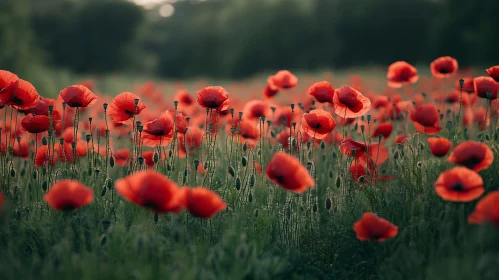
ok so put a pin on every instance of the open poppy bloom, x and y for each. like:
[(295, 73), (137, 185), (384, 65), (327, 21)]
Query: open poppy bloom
[(184, 98), (204, 203), (486, 210), (255, 109), (486, 87), (20, 95), (148, 189), (78, 96), (459, 185), (401, 73), (39, 123), (285, 116), (213, 98), (7, 78), (318, 123), (123, 107), (249, 130), (384, 129), (439, 147), (357, 171), (158, 132), (67, 195), (350, 103), (401, 139), (443, 67), (282, 80), (121, 156), (42, 156), (370, 156), (473, 155), (425, 118), (322, 91), (288, 173), (494, 72), (372, 227)]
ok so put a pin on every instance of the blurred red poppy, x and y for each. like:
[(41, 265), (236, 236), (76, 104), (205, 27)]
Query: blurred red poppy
[(486, 87), (7, 78), (213, 98), (42, 157), (282, 80), (121, 156), (357, 171), (255, 109), (184, 98), (401, 73), (269, 92), (148, 189), (158, 132), (350, 103), (78, 96), (486, 210), (459, 185), (20, 95), (439, 147), (123, 107), (473, 155), (322, 91), (372, 227), (149, 159), (318, 123), (204, 203), (443, 67), (494, 72), (288, 173), (67, 195), (425, 118), (468, 85), (384, 129)]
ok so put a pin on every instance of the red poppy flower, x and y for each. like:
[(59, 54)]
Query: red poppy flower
[(7, 78), (180, 200), (401, 139), (401, 73), (121, 156), (284, 116), (269, 92), (485, 87), (282, 80), (181, 122), (322, 91), (255, 109), (372, 227), (486, 210), (473, 155), (158, 132), (21, 149), (370, 155), (213, 98), (468, 85), (41, 107), (349, 103), (459, 185), (425, 118), (318, 123), (42, 156), (494, 72), (123, 107), (149, 158), (20, 95), (148, 189), (384, 129), (35, 124), (249, 130), (204, 203), (443, 67), (284, 139), (357, 171), (288, 173), (66, 153), (68, 195), (439, 147), (184, 98), (78, 96)]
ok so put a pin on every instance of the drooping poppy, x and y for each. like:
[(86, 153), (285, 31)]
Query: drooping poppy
[(123, 107), (282, 80), (473, 155), (204, 203), (486, 87), (67, 195), (288, 173), (255, 109), (213, 97), (401, 73), (318, 123), (350, 103), (439, 147), (443, 67), (372, 227), (158, 132), (486, 210), (20, 95), (78, 96), (459, 185), (384, 129), (42, 156), (121, 156), (425, 118), (148, 189), (322, 91), (494, 72)]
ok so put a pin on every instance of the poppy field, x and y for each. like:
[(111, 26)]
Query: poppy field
[(383, 174)]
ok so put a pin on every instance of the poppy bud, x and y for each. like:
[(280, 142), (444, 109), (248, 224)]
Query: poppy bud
[(12, 172), (487, 137), (238, 183), (206, 165), (97, 172), (73, 145), (103, 191), (170, 153), (256, 212), (314, 208), (323, 145), (309, 165), (61, 141), (331, 174), (258, 152), (140, 128), (44, 186), (328, 204), (272, 133), (250, 197), (362, 179), (362, 128), (88, 137), (44, 170), (338, 182), (335, 154), (109, 183), (51, 108), (111, 161), (90, 171), (244, 161), (419, 164), (44, 141), (245, 146), (269, 123), (353, 152), (396, 155), (156, 157), (186, 172), (141, 160), (169, 167), (34, 174), (252, 180), (310, 154)]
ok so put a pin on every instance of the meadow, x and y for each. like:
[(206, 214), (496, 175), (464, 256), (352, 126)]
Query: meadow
[(366, 174)]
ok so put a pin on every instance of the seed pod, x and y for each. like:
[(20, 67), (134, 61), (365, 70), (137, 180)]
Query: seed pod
[(329, 203), (244, 161), (252, 180), (362, 179), (232, 172), (238, 183), (44, 185), (103, 191), (338, 182), (88, 137), (250, 197), (331, 174), (111, 161), (12, 172), (323, 145), (196, 163), (44, 170)]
